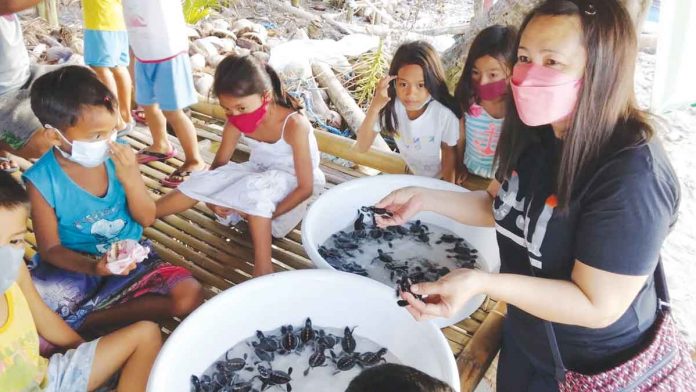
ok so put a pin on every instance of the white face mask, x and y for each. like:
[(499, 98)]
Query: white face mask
[(87, 154), (11, 258), (424, 104)]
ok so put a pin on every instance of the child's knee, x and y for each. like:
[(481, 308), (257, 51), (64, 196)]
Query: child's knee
[(147, 330), (186, 296)]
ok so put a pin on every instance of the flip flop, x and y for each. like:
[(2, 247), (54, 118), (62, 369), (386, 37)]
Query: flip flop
[(144, 156), (139, 115), (11, 169), (170, 182)]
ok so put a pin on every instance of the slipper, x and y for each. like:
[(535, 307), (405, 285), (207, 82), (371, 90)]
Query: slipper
[(11, 169), (144, 156), (171, 182), (139, 116)]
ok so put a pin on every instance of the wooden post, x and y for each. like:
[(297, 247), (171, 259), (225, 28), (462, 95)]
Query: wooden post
[(48, 10)]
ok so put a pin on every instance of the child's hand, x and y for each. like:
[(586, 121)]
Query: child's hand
[(220, 211), (381, 98), (462, 175), (102, 269), (126, 164)]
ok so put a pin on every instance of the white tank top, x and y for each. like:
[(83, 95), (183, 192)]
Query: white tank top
[(14, 60), (278, 155)]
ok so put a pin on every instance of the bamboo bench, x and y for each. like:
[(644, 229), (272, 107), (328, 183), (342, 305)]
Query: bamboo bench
[(220, 257)]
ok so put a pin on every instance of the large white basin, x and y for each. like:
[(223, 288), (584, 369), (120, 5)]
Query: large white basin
[(336, 209), (330, 298)]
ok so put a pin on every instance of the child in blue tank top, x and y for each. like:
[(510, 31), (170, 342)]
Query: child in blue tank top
[(87, 194)]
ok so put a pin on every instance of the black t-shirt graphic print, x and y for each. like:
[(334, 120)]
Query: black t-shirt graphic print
[(616, 222)]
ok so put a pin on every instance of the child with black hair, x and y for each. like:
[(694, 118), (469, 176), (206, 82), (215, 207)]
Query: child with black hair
[(391, 377), (481, 92), (86, 195), (272, 189), (413, 104), (24, 316)]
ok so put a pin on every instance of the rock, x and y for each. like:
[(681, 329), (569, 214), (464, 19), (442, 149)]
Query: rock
[(224, 34), (192, 32), (242, 51), (220, 24), (58, 54), (206, 28), (214, 60), (299, 34), (205, 47), (242, 24), (254, 37), (203, 83), (197, 62), (247, 43), (263, 56), (78, 46)]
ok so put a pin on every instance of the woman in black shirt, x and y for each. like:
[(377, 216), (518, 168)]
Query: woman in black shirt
[(583, 199)]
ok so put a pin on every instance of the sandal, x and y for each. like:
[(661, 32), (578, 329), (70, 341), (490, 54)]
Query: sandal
[(145, 156), (139, 115), (178, 177), (10, 162)]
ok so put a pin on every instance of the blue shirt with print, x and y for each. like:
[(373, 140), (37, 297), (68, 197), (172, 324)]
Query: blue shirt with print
[(86, 223)]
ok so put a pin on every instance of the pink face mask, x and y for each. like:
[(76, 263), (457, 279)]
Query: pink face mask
[(248, 122), (543, 95), (491, 91)]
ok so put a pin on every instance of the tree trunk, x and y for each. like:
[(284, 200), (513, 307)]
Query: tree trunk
[(48, 10)]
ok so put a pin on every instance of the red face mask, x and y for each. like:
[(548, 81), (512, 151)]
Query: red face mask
[(491, 91), (248, 122)]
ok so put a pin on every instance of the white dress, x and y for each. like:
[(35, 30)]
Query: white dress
[(257, 186)]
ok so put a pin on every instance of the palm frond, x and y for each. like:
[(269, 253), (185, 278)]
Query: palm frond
[(197, 10), (369, 69)]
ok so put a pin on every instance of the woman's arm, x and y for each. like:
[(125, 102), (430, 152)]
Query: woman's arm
[(297, 136), (140, 205), (50, 248), (449, 158), (230, 138), (48, 324), (471, 208), (593, 298)]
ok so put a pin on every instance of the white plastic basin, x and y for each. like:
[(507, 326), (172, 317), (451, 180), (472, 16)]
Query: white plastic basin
[(330, 298), (336, 209)]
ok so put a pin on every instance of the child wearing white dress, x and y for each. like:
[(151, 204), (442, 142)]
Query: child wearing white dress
[(272, 189)]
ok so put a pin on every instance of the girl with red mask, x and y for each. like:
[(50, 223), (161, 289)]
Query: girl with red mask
[(271, 190), (482, 91)]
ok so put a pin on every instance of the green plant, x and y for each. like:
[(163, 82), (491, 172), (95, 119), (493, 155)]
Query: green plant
[(369, 69), (197, 10)]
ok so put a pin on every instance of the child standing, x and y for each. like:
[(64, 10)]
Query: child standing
[(24, 316), (87, 194), (423, 118), (481, 92), (106, 51), (163, 81), (271, 190)]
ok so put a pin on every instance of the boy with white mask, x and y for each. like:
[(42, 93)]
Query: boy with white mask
[(23, 316), (87, 196)]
